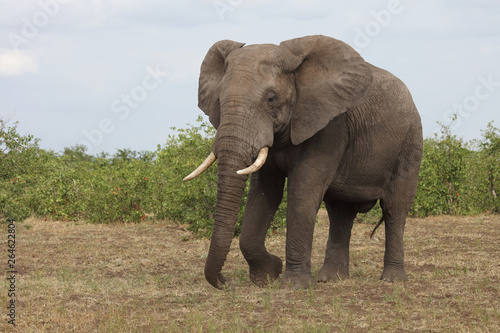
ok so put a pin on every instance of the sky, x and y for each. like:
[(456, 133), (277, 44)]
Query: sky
[(120, 74)]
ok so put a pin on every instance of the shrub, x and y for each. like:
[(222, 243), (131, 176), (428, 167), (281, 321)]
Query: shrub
[(484, 172), (442, 175), (18, 157), (456, 177), (192, 202)]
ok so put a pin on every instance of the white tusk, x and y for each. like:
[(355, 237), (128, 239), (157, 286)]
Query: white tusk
[(259, 162), (203, 166)]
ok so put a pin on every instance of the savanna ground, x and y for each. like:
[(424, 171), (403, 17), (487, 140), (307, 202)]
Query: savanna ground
[(76, 277)]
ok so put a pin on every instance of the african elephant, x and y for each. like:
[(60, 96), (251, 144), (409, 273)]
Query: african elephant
[(339, 129)]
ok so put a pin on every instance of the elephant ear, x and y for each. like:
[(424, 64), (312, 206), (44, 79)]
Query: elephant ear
[(332, 78), (211, 73)]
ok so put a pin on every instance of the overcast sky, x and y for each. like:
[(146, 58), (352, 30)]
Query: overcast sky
[(118, 74)]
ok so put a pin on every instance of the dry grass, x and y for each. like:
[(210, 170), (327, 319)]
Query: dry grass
[(149, 278)]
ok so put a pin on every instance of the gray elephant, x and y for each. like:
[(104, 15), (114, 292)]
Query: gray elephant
[(339, 129)]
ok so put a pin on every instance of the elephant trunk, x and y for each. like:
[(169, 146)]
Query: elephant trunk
[(229, 195), (238, 141), (233, 155)]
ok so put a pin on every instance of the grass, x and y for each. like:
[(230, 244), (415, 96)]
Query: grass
[(75, 277)]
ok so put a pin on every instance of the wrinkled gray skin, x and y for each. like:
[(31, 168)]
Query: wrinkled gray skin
[(340, 129)]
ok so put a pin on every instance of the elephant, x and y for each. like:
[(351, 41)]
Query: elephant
[(341, 131)]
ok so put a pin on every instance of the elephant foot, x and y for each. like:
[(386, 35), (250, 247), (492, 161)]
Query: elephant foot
[(333, 272), (394, 273), (297, 281), (261, 275), (221, 282)]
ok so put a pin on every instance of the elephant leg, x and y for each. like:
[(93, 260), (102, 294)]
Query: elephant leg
[(394, 249), (304, 200), (336, 264), (395, 207), (264, 197)]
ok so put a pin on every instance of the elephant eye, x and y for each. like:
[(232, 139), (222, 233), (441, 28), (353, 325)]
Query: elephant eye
[(271, 98)]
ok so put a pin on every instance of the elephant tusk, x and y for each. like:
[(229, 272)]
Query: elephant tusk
[(259, 162), (203, 166)]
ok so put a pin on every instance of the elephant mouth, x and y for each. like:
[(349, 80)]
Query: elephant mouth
[(259, 162)]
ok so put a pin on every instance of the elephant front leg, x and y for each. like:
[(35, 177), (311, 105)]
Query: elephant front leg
[(303, 204), (336, 264), (263, 200)]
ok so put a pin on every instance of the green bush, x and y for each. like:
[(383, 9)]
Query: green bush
[(18, 157), (442, 175), (456, 177), (484, 172), (191, 202)]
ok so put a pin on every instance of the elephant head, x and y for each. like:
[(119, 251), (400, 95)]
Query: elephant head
[(268, 96)]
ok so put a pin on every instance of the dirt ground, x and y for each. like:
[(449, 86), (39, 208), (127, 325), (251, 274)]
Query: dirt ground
[(148, 277)]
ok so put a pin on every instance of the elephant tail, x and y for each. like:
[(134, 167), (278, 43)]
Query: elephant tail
[(378, 225)]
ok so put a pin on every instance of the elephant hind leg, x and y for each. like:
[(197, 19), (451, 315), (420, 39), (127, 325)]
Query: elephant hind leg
[(336, 264), (394, 249), (395, 208)]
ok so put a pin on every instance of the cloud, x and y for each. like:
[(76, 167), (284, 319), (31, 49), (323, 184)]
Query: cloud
[(490, 48), (93, 51), (98, 15), (16, 63)]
